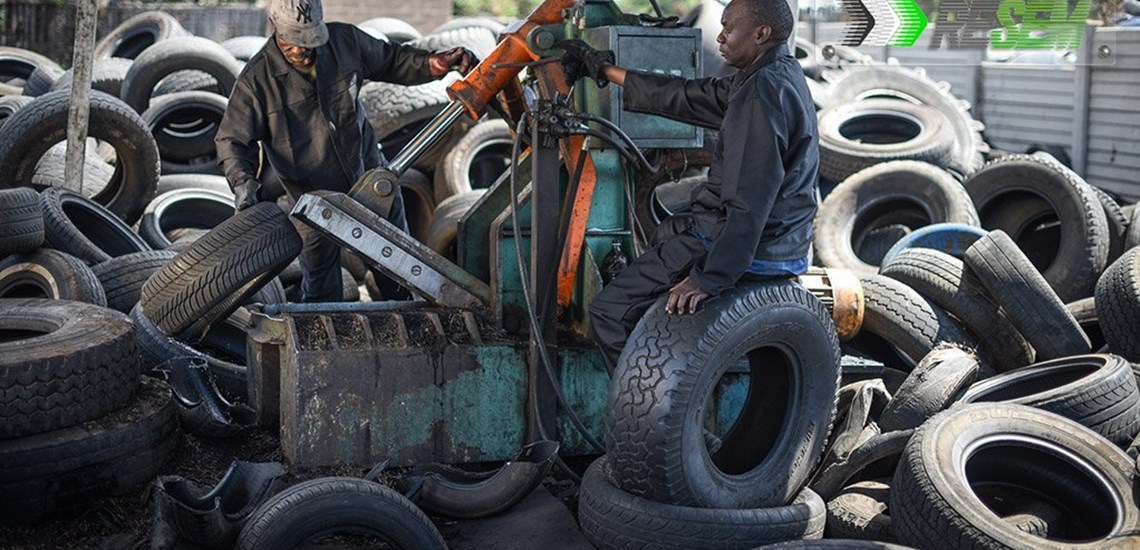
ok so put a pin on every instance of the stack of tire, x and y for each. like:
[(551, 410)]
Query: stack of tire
[(77, 421)]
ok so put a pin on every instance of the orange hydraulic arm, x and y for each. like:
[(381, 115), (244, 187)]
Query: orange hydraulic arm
[(499, 72)]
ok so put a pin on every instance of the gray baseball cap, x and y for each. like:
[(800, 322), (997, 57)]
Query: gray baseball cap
[(299, 22)]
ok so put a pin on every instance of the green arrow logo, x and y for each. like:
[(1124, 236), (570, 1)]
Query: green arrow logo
[(913, 23)]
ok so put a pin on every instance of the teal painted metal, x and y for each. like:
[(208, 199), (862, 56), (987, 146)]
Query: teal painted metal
[(586, 384)]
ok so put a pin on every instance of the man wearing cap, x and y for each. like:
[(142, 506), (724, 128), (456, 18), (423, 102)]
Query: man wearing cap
[(297, 97)]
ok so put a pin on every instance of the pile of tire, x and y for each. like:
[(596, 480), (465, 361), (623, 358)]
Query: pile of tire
[(77, 420), (990, 397)]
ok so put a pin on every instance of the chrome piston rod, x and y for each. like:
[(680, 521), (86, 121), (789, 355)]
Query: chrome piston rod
[(427, 137)]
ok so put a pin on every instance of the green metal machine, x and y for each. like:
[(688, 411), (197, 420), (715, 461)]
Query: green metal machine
[(459, 377)]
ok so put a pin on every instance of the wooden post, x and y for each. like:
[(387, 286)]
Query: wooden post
[(80, 105)]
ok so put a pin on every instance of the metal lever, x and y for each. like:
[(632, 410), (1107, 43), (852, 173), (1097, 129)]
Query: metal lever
[(385, 246)]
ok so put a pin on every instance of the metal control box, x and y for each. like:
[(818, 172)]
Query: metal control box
[(675, 52)]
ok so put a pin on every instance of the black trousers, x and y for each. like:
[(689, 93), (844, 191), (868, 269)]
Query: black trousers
[(320, 264), (621, 304)]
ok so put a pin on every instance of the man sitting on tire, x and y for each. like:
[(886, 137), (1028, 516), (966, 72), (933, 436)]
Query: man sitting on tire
[(753, 216), (298, 98)]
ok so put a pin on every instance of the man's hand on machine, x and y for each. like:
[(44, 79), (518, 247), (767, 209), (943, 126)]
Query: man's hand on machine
[(581, 60), (456, 59), (246, 195), (684, 297)]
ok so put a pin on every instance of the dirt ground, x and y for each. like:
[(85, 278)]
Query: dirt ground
[(124, 523)]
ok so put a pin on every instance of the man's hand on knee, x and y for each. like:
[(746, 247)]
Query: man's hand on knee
[(684, 297)]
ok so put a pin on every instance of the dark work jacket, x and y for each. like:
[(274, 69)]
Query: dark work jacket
[(315, 134), (761, 194)]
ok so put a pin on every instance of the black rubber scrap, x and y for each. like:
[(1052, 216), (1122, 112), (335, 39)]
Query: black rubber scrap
[(933, 385), (21, 221)]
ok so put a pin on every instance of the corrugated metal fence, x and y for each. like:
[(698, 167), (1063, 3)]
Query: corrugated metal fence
[(49, 28), (1090, 108)]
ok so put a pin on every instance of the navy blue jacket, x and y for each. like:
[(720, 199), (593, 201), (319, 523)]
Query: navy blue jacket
[(761, 194)]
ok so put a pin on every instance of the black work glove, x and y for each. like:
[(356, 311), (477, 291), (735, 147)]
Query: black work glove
[(458, 59), (246, 195), (581, 60)]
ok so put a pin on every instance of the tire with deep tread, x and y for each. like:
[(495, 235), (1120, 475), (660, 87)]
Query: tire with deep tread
[(613, 519), (51, 171), (853, 136), (211, 278), (665, 378), (183, 209), (338, 505), (1098, 391), (1026, 297), (1006, 192), (123, 277), (907, 192), (77, 362), (907, 320), (1118, 305), (944, 280), (47, 273), (935, 384), (21, 221), (390, 107), (933, 506), (67, 469), (173, 55), (30, 132), (85, 229)]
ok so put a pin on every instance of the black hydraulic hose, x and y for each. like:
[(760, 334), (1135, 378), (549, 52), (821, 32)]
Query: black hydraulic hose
[(644, 162), (532, 315), (629, 157)]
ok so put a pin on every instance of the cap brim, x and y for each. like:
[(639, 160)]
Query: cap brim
[(306, 37)]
